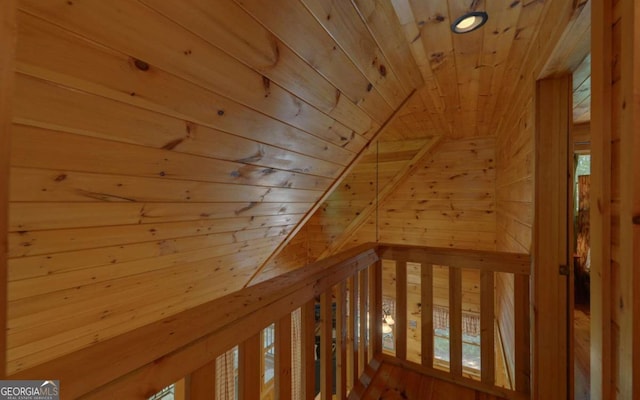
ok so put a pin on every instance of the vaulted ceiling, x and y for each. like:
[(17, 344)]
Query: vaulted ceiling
[(163, 150)]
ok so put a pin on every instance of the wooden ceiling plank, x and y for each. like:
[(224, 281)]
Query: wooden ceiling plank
[(433, 19), (227, 26), (341, 20), (582, 72), (46, 105), (85, 187), (51, 242), (467, 52), (383, 24), (384, 192), (582, 92), (430, 95), (499, 33), (26, 269), (32, 216), (525, 65), (160, 43), (434, 102), (574, 44), (45, 50), (296, 27), (582, 111), (105, 157), (62, 277), (525, 31)]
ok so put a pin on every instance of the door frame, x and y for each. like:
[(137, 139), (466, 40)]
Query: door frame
[(550, 251)]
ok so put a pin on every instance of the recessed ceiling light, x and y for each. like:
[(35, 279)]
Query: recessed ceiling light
[(469, 22)]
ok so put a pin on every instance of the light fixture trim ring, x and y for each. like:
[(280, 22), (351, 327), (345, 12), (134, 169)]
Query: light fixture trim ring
[(480, 18)]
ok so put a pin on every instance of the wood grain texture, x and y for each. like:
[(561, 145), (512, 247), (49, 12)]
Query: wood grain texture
[(201, 384), (549, 288), (416, 382), (179, 168), (199, 334), (383, 191), (249, 374), (8, 36), (444, 203)]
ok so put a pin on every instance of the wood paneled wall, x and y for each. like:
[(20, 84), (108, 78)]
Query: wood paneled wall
[(294, 255), (615, 232), (515, 157), (448, 202), (162, 150)]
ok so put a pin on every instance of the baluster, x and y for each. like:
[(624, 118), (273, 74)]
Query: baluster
[(353, 298), (455, 320), (326, 340), (201, 383), (341, 341), (362, 343), (249, 368), (283, 358), (308, 363), (376, 315), (401, 310), (521, 317), (487, 328), (426, 283)]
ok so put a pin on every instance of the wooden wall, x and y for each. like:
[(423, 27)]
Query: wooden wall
[(294, 255), (162, 150), (615, 232), (515, 157), (514, 212), (449, 201)]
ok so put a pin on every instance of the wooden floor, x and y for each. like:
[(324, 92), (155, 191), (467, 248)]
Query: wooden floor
[(581, 334), (394, 382)]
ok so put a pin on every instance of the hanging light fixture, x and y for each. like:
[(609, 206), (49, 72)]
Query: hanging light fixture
[(469, 22)]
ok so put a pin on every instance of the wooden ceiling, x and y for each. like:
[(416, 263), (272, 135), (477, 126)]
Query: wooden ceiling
[(469, 78), (163, 150)]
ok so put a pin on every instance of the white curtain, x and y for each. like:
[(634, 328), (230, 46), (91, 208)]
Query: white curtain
[(296, 354), (226, 370)]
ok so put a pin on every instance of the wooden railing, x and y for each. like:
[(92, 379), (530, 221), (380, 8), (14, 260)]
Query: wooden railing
[(454, 262), (346, 290)]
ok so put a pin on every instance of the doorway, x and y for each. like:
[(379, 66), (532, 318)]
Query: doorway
[(581, 276), (580, 303)]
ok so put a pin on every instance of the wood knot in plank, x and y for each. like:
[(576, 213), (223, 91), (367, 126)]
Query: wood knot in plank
[(266, 85), (141, 65)]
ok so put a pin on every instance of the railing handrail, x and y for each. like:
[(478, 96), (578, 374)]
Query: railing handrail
[(142, 358), (489, 263), (516, 263), (141, 362)]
